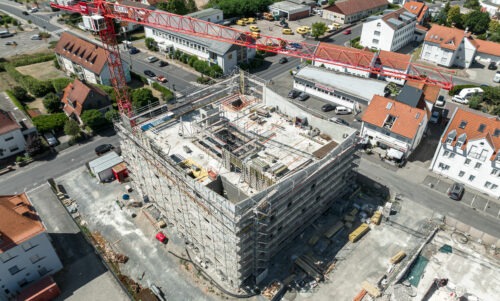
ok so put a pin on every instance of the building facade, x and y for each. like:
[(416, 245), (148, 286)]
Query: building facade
[(86, 60), (419, 9), (394, 124), (469, 151), (236, 206), (78, 97), (350, 11), (11, 137), (390, 32), (26, 253), (491, 6)]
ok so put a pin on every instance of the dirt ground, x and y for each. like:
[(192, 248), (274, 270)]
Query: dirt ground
[(6, 82), (43, 71), (37, 104)]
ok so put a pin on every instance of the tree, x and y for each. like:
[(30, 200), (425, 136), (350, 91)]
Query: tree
[(151, 44), (215, 71), (239, 8), (174, 6), (454, 16), (191, 6), (48, 123), (472, 4), (494, 31), (33, 145), (20, 93), (60, 83), (477, 21), (93, 119), (318, 29), (331, 2), (111, 115), (52, 103), (447, 7), (475, 102), (142, 97), (71, 128)]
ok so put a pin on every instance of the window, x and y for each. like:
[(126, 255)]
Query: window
[(28, 246), (461, 173), (467, 161), (23, 282), (494, 172), (13, 149), (35, 258), (494, 186), (4, 257), (462, 125), (43, 271), (375, 41), (444, 166), (487, 184), (452, 155), (471, 178), (478, 165), (14, 270), (481, 128), (446, 153), (9, 138)]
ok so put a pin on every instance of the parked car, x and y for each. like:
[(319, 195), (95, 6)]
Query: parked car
[(11, 43), (51, 140), (303, 96), (492, 66), (161, 79), (286, 31), (338, 121), (296, 45), (133, 50), (328, 107), (149, 73), (36, 37), (436, 116), (163, 64), (456, 191), (25, 13), (103, 148), (254, 28), (440, 102), (347, 31), (496, 78), (459, 99), (151, 59), (341, 110), (293, 94), (283, 60), (34, 10)]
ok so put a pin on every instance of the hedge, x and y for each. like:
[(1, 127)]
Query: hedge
[(28, 59), (16, 101), (456, 89), (167, 94), (47, 123)]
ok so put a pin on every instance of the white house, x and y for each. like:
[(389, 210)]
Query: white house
[(86, 60), (26, 254), (213, 15), (390, 32), (469, 151), (394, 124), (491, 6), (337, 88), (419, 9), (11, 137)]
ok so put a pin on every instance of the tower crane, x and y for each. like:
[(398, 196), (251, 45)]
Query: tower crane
[(101, 15)]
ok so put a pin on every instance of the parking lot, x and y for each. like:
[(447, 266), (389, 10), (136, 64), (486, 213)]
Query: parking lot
[(24, 42)]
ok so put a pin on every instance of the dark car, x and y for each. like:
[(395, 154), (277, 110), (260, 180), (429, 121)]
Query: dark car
[(163, 64), (149, 73), (492, 66), (293, 94), (456, 191), (296, 45), (133, 50), (103, 148), (25, 13), (303, 96), (338, 120), (283, 60), (328, 107)]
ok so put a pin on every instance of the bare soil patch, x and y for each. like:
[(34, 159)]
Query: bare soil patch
[(6, 82), (42, 71), (37, 104)]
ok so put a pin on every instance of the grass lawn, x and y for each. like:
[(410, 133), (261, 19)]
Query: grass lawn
[(44, 70)]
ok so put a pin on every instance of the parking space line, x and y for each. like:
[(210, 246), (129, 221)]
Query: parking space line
[(486, 206), (473, 199)]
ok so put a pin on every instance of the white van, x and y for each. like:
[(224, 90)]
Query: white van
[(340, 110), (496, 78), (467, 93)]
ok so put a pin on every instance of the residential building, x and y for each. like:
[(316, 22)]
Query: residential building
[(290, 10), (213, 15), (393, 63), (419, 9), (389, 32), (244, 176), (350, 11), (491, 6), (469, 151), (26, 254), (339, 89), (78, 97), (86, 60), (487, 51), (430, 92), (15, 129), (394, 124)]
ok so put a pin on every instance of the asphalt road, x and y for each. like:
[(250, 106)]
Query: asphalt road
[(41, 19), (341, 38), (37, 173), (272, 68), (428, 197)]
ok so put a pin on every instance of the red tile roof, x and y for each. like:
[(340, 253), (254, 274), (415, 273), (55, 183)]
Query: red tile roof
[(407, 121), (77, 93), (446, 37), (487, 47), (417, 8), (7, 122), (431, 92), (19, 221), (345, 55), (471, 129), (84, 53), (350, 7), (394, 60)]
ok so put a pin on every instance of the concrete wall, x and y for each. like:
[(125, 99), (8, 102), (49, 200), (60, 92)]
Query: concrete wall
[(26, 263)]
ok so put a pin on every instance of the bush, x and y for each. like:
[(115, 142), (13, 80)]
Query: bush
[(151, 44), (166, 93), (60, 83), (38, 88), (20, 93), (16, 101), (94, 119), (192, 60), (48, 123), (52, 103), (456, 89), (138, 77), (143, 97), (215, 71), (112, 115), (204, 80), (71, 128), (56, 64)]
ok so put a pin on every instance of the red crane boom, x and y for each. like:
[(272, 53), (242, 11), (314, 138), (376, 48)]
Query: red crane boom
[(196, 27)]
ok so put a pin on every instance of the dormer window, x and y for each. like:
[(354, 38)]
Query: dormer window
[(389, 121), (451, 136), (461, 140)]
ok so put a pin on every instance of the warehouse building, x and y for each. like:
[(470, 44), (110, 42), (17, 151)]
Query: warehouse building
[(290, 10), (241, 176)]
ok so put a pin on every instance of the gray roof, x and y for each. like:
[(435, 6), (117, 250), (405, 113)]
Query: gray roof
[(105, 162), (410, 96), (356, 86), (204, 13)]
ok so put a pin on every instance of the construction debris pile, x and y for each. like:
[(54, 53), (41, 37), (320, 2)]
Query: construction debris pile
[(108, 253)]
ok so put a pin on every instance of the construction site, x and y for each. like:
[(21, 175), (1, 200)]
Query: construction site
[(239, 174)]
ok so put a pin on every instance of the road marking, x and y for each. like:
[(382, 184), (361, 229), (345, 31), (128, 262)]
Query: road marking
[(486, 206)]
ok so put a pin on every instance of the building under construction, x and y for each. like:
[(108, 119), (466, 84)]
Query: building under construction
[(239, 175)]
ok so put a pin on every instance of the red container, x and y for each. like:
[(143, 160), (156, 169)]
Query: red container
[(161, 237)]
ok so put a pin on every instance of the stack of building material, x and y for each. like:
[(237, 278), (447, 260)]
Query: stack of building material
[(359, 232), (376, 217), (371, 289), (398, 257)]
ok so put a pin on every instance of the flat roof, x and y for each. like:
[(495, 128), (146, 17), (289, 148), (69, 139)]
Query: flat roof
[(410, 96), (345, 83), (104, 162), (289, 7), (204, 13), (254, 136)]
